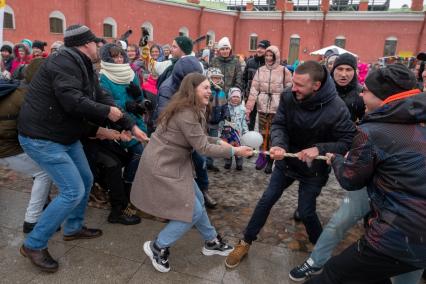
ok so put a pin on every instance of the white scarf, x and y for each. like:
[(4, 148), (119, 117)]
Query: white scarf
[(117, 73)]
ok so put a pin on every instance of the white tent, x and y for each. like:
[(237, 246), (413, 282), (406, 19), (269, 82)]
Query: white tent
[(322, 51)]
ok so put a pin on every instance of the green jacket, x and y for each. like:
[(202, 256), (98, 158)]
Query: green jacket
[(9, 110), (231, 70)]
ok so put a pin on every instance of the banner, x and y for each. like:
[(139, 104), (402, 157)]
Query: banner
[(2, 5)]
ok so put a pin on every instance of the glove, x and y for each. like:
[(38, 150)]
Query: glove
[(135, 107), (134, 91)]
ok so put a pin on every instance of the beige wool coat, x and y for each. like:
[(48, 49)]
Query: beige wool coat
[(163, 184)]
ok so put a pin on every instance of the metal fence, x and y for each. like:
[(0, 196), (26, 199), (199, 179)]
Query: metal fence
[(306, 5)]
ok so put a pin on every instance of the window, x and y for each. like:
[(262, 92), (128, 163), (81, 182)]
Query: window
[(340, 41), (210, 38), (110, 27), (9, 18), (150, 28), (57, 22), (253, 42), (183, 31), (390, 46), (293, 53)]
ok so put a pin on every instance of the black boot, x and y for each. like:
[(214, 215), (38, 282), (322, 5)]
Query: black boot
[(268, 168), (296, 215), (208, 200)]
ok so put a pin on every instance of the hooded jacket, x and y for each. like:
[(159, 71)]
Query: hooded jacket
[(18, 60), (169, 87), (388, 155), (268, 84), (63, 97), (231, 70), (321, 121)]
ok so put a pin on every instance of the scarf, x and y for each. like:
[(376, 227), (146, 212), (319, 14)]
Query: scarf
[(117, 73)]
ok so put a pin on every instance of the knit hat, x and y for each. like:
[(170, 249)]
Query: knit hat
[(264, 44), (78, 35), (224, 42), (123, 44), (234, 92), (345, 59), (6, 48), (214, 72), (166, 46), (39, 44), (390, 80), (27, 42), (185, 44)]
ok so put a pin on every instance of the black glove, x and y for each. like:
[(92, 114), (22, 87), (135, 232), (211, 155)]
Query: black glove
[(134, 91), (135, 107)]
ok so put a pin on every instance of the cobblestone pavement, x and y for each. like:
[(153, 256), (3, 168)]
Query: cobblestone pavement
[(237, 193)]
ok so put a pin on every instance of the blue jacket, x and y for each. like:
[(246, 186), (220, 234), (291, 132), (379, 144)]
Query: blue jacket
[(119, 93), (388, 155), (169, 87)]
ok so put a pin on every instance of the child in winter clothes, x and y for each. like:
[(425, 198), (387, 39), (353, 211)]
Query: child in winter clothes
[(218, 107), (238, 122)]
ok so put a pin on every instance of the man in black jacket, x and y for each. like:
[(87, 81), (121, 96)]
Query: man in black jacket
[(311, 120), (252, 65), (388, 156), (63, 97)]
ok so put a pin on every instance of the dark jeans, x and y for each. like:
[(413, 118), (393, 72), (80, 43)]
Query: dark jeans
[(252, 121), (213, 132), (306, 203), (130, 169), (361, 264), (200, 165), (107, 169)]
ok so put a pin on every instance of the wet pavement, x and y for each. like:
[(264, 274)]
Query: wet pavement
[(117, 257)]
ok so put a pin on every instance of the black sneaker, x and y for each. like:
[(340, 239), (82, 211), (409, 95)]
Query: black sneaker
[(217, 246), (239, 168), (126, 217), (227, 166), (159, 257), (304, 271)]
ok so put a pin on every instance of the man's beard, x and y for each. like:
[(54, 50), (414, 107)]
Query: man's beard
[(305, 97)]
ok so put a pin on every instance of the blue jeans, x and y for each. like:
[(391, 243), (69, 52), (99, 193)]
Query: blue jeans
[(41, 183), (354, 207), (306, 205), (174, 230), (68, 168), (202, 178), (131, 168), (212, 133)]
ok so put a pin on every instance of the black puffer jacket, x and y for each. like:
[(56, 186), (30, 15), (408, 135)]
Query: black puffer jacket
[(388, 155), (322, 121), (63, 97), (252, 65)]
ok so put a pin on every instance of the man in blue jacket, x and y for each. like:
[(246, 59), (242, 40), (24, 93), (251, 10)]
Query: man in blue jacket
[(388, 155)]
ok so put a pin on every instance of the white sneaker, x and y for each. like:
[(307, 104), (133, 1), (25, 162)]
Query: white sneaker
[(159, 257)]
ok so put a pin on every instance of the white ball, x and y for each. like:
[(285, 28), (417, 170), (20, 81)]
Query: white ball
[(252, 139)]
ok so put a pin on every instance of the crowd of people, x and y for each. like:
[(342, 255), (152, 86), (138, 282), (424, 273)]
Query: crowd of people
[(145, 122)]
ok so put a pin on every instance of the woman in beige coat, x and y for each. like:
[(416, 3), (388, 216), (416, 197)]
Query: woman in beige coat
[(164, 184), (266, 88)]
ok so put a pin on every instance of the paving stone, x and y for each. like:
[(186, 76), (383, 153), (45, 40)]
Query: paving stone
[(81, 265)]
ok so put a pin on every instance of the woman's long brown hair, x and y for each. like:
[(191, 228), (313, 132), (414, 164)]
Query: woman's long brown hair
[(184, 98)]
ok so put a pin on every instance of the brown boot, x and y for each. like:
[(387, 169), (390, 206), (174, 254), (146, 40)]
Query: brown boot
[(84, 233), (40, 258), (239, 252)]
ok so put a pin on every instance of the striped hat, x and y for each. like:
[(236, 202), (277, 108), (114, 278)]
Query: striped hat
[(78, 35)]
